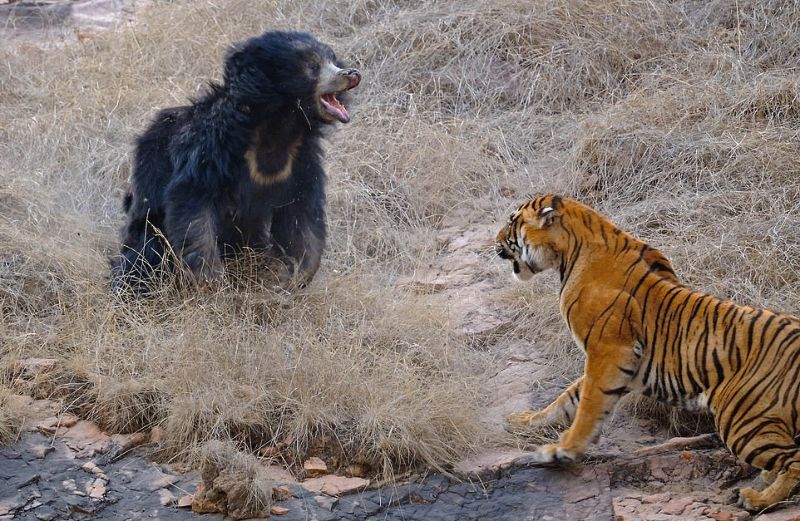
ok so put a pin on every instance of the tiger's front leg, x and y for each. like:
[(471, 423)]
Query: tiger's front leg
[(605, 381), (560, 412)]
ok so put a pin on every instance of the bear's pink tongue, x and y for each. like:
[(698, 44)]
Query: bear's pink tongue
[(334, 107)]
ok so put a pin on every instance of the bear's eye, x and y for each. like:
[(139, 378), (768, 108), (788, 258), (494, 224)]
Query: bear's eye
[(314, 68)]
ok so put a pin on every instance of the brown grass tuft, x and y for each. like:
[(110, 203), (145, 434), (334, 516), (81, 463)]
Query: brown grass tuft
[(128, 406), (233, 483), (12, 417)]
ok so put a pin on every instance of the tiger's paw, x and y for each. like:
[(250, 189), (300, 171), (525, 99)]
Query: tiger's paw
[(554, 453), (752, 500), (522, 421)]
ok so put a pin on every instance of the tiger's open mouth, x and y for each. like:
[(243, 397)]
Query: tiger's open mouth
[(344, 80)]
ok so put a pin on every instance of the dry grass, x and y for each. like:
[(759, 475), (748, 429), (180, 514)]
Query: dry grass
[(677, 119), (234, 481), (11, 417)]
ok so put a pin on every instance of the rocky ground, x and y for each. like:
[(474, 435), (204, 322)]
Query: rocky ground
[(63, 468), (46, 478)]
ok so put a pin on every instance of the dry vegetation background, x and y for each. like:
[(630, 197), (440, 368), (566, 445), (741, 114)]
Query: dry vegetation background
[(678, 119)]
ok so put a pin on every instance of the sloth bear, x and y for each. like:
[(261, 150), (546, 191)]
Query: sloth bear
[(239, 168)]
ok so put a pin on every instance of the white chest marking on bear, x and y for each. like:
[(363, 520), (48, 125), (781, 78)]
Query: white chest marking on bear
[(267, 179)]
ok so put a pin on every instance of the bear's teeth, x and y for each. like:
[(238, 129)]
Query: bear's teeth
[(333, 107)]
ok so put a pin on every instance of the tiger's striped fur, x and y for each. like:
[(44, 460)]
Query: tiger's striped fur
[(643, 331)]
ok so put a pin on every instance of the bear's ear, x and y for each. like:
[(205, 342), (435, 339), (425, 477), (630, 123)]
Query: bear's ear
[(234, 59)]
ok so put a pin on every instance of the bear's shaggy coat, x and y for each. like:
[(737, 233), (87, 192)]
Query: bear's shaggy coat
[(241, 167)]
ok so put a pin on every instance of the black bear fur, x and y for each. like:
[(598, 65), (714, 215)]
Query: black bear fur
[(240, 167)]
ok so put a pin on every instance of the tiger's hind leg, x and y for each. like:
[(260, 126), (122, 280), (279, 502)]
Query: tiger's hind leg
[(783, 486), (768, 476), (561, 411), (779, 456)]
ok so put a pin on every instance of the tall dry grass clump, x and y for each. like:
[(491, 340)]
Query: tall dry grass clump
[(679, 120), (11, 417)]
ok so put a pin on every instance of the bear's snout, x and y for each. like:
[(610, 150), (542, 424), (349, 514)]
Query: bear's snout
[(353, 77)]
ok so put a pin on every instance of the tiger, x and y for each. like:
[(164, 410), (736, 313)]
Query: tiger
[(643, 331)]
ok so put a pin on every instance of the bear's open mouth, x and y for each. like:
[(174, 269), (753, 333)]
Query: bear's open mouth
[(334, 107)]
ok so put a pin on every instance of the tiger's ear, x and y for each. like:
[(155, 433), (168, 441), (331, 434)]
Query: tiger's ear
[(546, 216)]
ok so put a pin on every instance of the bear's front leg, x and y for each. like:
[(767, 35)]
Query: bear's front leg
[(192, 229), (298, 230)]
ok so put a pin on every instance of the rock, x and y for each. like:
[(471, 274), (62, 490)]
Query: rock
[(278, 511), (489, 463), (97, 489), (161, 480), (165, 497), (92, 468), (485, 321), (203, 505), (69, 420), (87, 438), (46, 513), (80, 505), (315, 467), (277, 474), (628, 504), (325, 502), (358, 470), (334, 485), (54, 425), (721, 516), (156, 435), (184, 501), (125, 442), (657, 498), (33, 504), (27, 479), (9, 505), (581, 492), (658, 468), (786, 514), (281, 493), (676, 506), (40, 451)]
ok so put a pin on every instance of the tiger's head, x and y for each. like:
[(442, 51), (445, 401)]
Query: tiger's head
[(531, 239)]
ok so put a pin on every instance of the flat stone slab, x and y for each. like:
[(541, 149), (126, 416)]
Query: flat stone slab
[(68, 485), (521, 494), (56, 488)]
